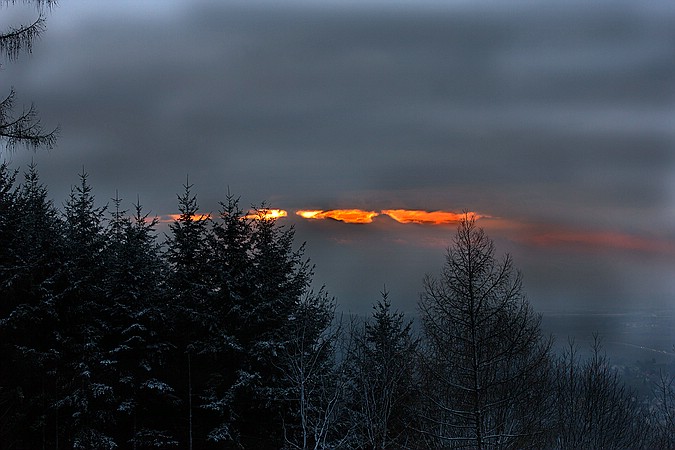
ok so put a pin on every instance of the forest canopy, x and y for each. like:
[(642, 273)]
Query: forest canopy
[(112, 336)]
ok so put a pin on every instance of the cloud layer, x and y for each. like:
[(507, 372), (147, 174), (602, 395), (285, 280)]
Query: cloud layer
[(558, 114)]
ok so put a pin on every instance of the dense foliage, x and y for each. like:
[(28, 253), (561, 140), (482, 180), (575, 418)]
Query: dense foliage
[(214, 339)]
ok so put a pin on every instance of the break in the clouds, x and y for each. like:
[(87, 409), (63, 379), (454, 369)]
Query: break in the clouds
[(399, 215), (557, 114)]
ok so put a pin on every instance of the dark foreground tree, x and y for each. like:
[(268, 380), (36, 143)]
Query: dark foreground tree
[(135, 345), (23, 128), (85, 391), (190, 286), (486, 364), (29, 258)]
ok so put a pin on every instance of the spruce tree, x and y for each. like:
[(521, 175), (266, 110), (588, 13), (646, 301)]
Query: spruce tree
[(280, 277), (135, 345), (382, 367), (85, 393), (190, 285), (28, 322), (231, 251)]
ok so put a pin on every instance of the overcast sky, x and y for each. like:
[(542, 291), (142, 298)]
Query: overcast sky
[(555, 120)]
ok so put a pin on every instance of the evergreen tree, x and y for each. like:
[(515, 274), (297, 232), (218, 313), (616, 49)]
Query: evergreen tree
[(28, 320), (85, 393), (384, 393), (232, 260), (9, 394), (279, 279), (135, 347), (10, 218), (190, 286)]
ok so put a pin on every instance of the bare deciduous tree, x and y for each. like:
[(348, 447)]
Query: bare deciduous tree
[(663, 414), (594, 408), (486, 363), (23, 128), (312, 377)]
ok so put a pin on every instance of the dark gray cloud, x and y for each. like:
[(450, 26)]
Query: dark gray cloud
[(559, 113)]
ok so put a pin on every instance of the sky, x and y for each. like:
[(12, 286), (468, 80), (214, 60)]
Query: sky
[(554, 121)]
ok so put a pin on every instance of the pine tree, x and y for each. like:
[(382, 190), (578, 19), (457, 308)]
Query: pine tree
[(10, 218), (232, 262)]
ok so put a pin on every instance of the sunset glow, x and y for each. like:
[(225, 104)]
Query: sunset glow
[(399, 215), (536, 235), (266, 214), (342, 215), (426, 217), (598, 239)]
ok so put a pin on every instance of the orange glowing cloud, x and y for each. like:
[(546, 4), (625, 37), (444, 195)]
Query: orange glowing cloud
[(426, 217), (399, 215), (342, 215), (266, 214)]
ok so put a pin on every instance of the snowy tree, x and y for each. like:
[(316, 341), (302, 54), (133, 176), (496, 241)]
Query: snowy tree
[(230, 243), (280, 277), (486, 364), (135, 345), (383, 372), (30, 258), (190, 286), (312, 385), (85, 393)]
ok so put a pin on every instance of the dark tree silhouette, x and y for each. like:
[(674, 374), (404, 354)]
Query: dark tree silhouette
[(486, 362), (279, 277), (190, 282), (135, 345), (23, 128), (29, 258), (85, 390), (383, 393), (663, 417), (594, 408)]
